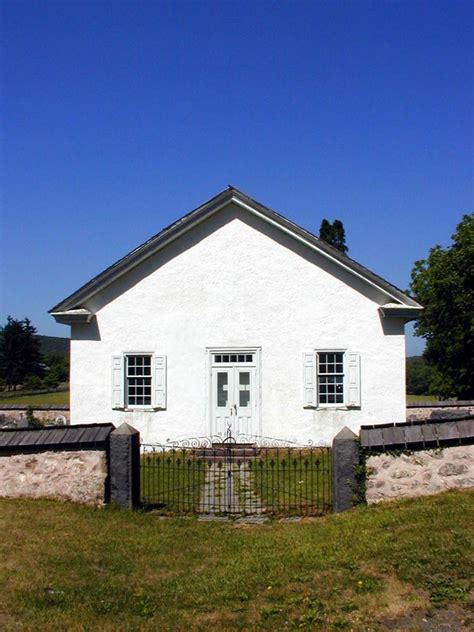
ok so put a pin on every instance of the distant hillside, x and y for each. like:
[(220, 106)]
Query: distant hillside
[(53, 344)]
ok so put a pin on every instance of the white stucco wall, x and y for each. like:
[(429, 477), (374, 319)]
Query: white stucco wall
[(235, 281)]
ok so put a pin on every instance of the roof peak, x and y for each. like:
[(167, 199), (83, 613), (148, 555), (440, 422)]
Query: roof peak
[(187, 222)]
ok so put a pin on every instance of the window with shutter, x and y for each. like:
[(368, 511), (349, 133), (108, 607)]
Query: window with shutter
[(331, 378), (138, 381)]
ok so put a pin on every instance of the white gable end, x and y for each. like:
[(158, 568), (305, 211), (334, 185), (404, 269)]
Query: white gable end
[(235, 282)]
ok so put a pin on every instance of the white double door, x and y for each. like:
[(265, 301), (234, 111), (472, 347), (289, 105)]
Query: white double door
[(234, 400)]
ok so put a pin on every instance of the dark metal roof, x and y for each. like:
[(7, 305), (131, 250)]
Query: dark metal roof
[(186, 222), (418, 434), (78, 437)]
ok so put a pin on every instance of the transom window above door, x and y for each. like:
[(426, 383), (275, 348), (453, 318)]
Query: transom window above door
[(233, 358)]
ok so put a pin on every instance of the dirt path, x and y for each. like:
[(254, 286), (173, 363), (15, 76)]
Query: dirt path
[(452, 619)]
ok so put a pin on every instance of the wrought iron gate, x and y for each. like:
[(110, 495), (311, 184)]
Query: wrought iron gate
[(236, 475)]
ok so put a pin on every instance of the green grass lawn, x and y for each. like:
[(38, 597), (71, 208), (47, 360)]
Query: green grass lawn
[(172, 480), (66, 567), (421, 398), (293, 481), (44, 399)]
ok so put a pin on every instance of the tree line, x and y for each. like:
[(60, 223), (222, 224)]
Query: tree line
[(22, 361)]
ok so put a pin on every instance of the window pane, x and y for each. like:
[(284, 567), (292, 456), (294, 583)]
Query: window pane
[(218, 358), (331, 379), (244, 389), (244, 378), (241, 358), (225, 358), (233, 358), (222, 395), (249, 357), (244, 399), (138, 386)]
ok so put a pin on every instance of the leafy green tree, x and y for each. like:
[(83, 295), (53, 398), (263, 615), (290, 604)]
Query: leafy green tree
[(334, 234), (419, 376), (58, 365), (19, 352), (444, 285)]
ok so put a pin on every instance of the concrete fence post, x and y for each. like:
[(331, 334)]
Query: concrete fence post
[(345, 458), (124, 467)]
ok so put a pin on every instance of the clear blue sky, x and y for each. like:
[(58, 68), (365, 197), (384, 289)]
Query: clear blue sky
[(119, 117)]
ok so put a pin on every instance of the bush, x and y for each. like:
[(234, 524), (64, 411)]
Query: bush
[(33, 383), (419, 376), (52, 379), (33, 422)]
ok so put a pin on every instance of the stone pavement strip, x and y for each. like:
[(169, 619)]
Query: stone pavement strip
[(220, 495)]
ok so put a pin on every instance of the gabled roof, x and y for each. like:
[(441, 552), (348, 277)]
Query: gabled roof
[(72, 308)]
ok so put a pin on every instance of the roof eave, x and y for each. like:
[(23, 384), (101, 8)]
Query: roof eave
[(72, 316), (405, 312)]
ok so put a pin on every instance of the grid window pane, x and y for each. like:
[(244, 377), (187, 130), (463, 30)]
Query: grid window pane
[(331, 377), (233, 358), (138, 380)]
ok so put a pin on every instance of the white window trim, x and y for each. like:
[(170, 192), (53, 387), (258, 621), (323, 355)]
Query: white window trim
[(139, 407)]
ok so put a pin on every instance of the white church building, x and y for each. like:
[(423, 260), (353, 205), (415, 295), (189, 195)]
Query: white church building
[(235, 317)]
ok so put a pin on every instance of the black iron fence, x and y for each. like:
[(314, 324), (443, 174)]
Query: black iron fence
[(237, 476)]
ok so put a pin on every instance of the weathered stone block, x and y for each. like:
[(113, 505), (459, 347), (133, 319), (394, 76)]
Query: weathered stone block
[(452, 469)]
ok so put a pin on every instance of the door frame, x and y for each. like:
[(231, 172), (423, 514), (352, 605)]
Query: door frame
[(258, 379)]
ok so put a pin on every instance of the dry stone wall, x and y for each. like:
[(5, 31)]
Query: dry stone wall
[(77, 476), (419, 473), (439, 410), (12, 416)]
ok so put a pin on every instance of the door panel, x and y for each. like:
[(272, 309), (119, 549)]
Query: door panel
[(244, 380), (222, 399), (233, 400)]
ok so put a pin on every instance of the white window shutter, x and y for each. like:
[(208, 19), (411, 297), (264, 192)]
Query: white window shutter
[(309, 380), (118, 385), (353, 379), (159, 381)]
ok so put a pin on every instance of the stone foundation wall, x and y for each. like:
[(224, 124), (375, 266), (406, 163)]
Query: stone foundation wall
[(77, 476), (12, 416), (420, 473), (439, 411)]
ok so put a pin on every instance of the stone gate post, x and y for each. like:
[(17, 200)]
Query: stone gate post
[(345, 458), (124, 464)]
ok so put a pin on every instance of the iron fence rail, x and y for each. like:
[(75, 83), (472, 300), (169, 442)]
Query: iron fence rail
[(232, 478)]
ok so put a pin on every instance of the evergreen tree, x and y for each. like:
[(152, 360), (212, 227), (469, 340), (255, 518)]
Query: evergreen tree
[(339, 236), (326, 231), (19, 352), (334, 234)]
